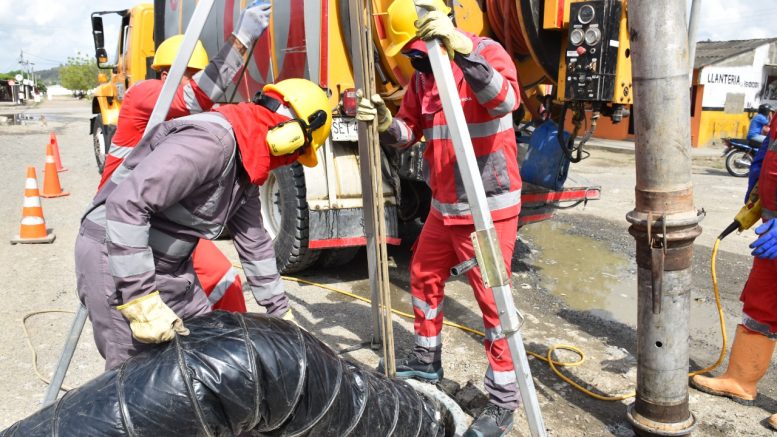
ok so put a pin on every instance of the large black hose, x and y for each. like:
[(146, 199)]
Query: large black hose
[(236, 373)]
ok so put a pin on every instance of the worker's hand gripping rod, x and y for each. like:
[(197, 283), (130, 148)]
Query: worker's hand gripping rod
[(485, 240), (190, 37)]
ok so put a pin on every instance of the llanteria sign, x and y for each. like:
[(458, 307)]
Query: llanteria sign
[(725, 85)]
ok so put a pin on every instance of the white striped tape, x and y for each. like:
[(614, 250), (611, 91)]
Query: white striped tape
[(30, 221), (30, 202), (31, 184)]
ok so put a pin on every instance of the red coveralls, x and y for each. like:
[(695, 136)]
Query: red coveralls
[(218, 277), (489, 91), (759, 296)]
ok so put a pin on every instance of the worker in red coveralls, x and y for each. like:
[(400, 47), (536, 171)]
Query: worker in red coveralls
[(190, 178), (489, 91), (202, 84), (756, 335)]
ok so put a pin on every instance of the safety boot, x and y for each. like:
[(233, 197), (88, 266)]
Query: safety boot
[(494, 421), (750, 356), (412, 367), (772, 421)]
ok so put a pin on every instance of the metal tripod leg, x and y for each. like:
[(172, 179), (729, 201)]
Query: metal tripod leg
[(67, 355)]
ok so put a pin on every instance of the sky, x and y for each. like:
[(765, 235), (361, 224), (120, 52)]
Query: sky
[(49, 31)]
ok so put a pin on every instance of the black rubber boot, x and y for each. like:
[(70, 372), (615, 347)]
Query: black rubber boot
[(493, 421), (412, 367)]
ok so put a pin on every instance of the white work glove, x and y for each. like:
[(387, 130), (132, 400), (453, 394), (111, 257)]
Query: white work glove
[(253, 22), (436, 25), (151, 320), (374, 107)]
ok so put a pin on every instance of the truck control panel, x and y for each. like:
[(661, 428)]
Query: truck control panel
[(592, 50)]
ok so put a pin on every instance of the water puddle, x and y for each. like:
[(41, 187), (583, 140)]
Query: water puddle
[(23, 119), (589, 276)]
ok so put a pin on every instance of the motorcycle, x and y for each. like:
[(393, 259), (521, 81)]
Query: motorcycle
[(739, 154)]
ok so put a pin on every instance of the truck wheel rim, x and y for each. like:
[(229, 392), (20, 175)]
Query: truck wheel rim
[(271, 205)]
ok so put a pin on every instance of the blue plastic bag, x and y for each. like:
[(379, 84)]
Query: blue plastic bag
[(545, 163)]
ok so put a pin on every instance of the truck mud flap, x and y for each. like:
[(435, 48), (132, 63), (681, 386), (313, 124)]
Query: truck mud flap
[(344, 227)]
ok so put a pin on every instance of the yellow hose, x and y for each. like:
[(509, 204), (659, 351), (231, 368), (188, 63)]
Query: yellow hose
[(548, 358)]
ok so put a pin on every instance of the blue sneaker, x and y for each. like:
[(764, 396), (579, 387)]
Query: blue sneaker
[(412, 367)]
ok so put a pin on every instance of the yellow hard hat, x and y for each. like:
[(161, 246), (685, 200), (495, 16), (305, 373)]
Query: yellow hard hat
[(402, 16), (166, 52), (306, 99)]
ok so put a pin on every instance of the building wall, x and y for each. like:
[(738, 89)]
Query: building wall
[(731, 90)]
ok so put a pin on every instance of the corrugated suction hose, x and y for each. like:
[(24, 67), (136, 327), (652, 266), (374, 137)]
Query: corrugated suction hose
[(236, 373)]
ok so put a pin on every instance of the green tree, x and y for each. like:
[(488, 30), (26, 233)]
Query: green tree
[(11, 75), (79, 74)]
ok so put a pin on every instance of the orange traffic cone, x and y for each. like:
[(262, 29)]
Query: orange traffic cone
[(51, 187), (33, 227), (57, 159)]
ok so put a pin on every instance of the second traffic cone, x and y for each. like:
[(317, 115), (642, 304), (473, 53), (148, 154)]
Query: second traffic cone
[(57, 159), (51, 186), (33, 227)]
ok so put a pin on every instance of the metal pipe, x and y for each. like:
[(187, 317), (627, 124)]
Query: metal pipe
[(67, 356), (664, 222), (693, 27)]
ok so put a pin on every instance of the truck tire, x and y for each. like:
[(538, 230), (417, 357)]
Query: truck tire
[(101, 138), (337, 257), (285, 216)]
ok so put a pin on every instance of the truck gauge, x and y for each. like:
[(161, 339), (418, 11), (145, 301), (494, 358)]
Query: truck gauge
[(576, 37), (586, 14), (592, 36)]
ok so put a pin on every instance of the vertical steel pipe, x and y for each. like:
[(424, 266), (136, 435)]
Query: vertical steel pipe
[(693, 27), (664, 221)]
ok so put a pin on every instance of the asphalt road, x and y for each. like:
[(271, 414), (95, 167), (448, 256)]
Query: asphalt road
[(574, 278)]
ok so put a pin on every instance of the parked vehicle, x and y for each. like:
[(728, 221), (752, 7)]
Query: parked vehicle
[(739, 156)]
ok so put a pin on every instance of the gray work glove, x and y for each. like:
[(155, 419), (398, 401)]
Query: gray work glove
[(253, 22)]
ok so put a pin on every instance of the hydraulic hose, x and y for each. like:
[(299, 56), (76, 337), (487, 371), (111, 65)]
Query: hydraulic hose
[(236, 373)]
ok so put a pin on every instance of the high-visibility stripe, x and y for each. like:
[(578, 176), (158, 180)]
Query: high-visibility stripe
[(500, 378), (123, 266), (30, 221), (494, 333), (161, 242), (49, 159), (126, 234), (476, 130), (179, 214), (265, 267), (97, 215), (428, 342), (767, 214), (491, 90), (495, 203), (121, 173), (506, 105), (120, 152), (222, 286), (266, 291), (30, 184), (190, 99), (31, 202), (211, 117), (429, 312)]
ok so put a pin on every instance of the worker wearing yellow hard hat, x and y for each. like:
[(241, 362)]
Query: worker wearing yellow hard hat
[(486, 81)]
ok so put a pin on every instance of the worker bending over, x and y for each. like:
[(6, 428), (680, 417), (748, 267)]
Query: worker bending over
[(203, 83), (753, 347), (488, 88), (188, 179)]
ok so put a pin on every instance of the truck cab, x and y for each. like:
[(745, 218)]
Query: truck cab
[(128, 62)]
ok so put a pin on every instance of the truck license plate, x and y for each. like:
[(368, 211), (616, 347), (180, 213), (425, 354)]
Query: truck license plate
[(344, 129)]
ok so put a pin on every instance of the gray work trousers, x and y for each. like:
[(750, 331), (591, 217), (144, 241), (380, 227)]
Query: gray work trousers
[(178, 288)]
